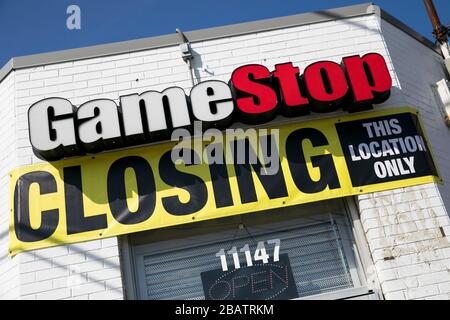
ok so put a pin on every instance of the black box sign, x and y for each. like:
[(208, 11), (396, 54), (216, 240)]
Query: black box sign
[(270, 281), (384, 149)]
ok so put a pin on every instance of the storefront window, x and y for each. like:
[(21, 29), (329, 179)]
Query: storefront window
[(293, 252)]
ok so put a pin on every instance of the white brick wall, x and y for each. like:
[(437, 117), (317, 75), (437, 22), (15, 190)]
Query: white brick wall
[(402, 226), (83, 270), (9, 276), (408, 248), (407, 229)]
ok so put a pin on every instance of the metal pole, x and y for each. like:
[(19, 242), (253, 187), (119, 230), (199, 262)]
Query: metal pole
[(439, 31), (186, 53)]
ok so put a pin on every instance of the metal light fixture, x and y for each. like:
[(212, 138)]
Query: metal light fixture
[(186, 52)]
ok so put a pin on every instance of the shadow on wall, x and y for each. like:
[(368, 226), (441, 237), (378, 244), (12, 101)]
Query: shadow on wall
[(199, 65), (71, 271)]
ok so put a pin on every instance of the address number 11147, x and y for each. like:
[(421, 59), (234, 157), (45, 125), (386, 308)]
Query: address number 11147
[(259, 255)]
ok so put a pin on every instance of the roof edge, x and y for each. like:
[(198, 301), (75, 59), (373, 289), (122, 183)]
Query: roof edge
[(172, 39), (408, 30), (204, 34)]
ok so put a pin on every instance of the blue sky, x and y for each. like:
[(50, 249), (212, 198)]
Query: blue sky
[(34, 26)]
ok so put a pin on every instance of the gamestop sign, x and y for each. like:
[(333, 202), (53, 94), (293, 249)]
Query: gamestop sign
[(138, 189), (254, 95)]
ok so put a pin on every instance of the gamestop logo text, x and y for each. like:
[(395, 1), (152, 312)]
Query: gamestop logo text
[(254, 95)]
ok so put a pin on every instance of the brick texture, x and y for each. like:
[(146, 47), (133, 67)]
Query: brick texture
[(406, 227), (403, 227)]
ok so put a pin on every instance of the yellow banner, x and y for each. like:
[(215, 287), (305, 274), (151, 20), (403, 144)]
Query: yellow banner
[(141, 189)]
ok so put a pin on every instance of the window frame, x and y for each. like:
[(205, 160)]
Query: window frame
[(357, 250)]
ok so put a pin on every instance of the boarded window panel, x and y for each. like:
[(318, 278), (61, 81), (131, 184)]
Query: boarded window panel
[(315, 245)]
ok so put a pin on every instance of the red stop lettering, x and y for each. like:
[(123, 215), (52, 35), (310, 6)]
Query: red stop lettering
[(369, 78), (326, 83), (293, 100), (254, 96)]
